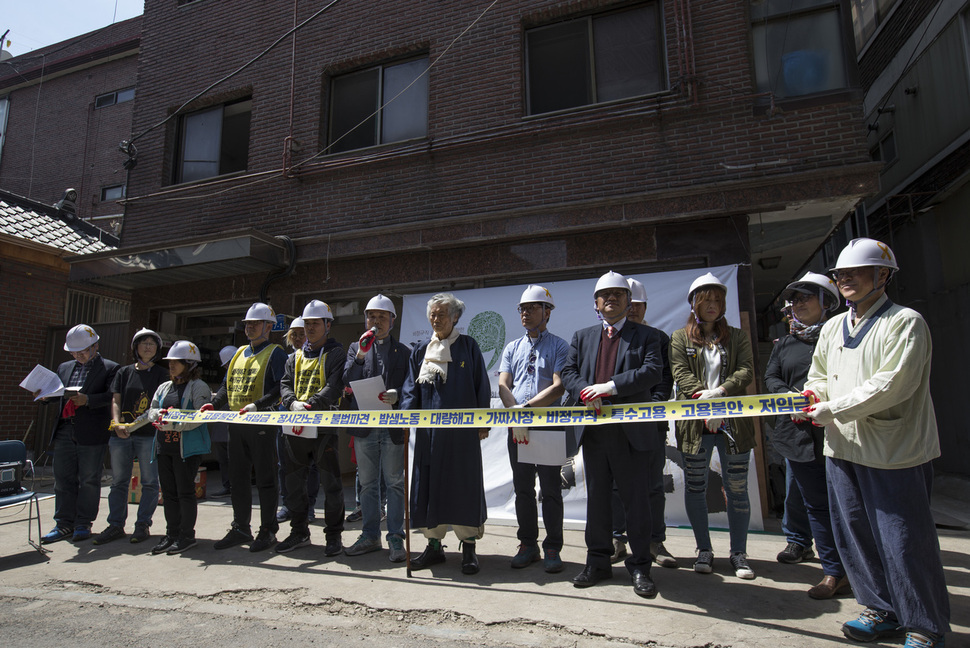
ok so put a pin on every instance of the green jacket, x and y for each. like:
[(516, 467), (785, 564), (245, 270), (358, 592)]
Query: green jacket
[(737, 368)]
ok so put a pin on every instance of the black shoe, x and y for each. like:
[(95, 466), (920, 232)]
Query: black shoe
[(264, 540), (355, 515), (163, 545), (233, 538), (222, 494), (334, 547), (643, 585), (57, 534), (469, 561), (591, 575), (140, 534), (795, 553), (181, 545), (295, 540), (430, 556), (111, 533)]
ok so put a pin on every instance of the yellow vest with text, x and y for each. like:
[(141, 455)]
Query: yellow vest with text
[(246, 376), (309, 375)]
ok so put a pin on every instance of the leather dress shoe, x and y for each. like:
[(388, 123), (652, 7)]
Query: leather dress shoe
[(829, 587), (591, 575), (643, 585), (469, 561), (430, 556)]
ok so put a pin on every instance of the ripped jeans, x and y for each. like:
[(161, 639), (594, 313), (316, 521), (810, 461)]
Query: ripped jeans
[(734, 472)]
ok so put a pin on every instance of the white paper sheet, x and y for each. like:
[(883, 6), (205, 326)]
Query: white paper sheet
[(45, 380), (545, 448), (367, 390)]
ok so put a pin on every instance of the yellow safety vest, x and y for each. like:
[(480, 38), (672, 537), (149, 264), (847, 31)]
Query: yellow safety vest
[(244, 381), (310, 375)]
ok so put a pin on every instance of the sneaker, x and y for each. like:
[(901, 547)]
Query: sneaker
[(739, 562), (264, 540), (661, 556), (224, 493), (141, 534), (283, 514), (334, 547), (355, 515), (233, 538), (57, 534), (113, 532), (81, 533), (871, 625), (311, 515), (795, 553), (526, 556), (433, 554), (181, 545), (396, 545), (552, 563), (163, 545), (619, 551), (295, 540), (363, 545), (705, 561), (923, 640)]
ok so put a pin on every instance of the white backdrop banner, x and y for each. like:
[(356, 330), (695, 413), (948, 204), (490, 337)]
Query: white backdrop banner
[(491, 318)]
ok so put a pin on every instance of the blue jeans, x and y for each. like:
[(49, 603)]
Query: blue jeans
[(123, 452), (734, 474), (77, 479), (377, 456), (795, 523), (812, 486)]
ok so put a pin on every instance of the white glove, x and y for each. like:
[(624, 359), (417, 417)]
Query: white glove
[(389, 396), (299, 406), (520, 435), (599, 390), (820, 413), (798, 417), (704, 394), (713, 424), (247, 409)]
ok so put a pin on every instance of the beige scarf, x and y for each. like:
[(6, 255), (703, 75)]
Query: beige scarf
[(436, 358)]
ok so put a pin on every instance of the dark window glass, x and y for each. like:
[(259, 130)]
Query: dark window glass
[(214, 141)]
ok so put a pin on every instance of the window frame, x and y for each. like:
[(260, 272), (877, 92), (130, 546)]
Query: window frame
[(106, 188), (114, 98), (178, 159)]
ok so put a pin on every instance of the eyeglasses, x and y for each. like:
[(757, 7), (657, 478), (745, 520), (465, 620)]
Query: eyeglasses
[(528, 309), (798, 298), (531, 369), (848, 273)]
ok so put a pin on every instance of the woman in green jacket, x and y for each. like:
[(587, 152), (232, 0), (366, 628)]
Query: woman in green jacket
[(710, 359)]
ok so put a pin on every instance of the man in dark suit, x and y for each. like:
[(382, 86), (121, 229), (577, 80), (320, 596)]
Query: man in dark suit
[(380, 452), (616, 362), (81, 435)]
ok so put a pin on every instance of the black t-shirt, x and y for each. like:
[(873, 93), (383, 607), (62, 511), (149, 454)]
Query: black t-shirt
[(137, 387), (168, 442)]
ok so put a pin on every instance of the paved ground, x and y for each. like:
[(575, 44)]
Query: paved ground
[(118, 594)]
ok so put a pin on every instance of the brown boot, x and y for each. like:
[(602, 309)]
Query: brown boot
[(829, 587)]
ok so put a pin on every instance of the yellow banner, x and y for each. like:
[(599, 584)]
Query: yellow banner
[(741, 406)]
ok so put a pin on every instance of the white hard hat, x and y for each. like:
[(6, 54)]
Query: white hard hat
[(79, 338), (704, 281), (316, 309), (638, 293), (226, 354), (185, 351), (296, 323), (146, 332), (537, 295), (810, 283), (862, 252), (380, 302), (611, 280), (260, 312)]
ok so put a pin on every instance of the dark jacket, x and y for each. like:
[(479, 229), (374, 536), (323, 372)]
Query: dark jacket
[(329, 396), (395, 372), (91, 421), (786, 372)]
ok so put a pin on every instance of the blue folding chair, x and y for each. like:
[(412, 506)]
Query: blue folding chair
[(13, 466)]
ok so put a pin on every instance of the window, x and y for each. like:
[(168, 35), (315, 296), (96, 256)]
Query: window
[(214, 141), (867, 15), (114, 192), (356, 117), (112, 98), (94, 309), (798, 47), (4, 111), (595, 59), (885, 150)]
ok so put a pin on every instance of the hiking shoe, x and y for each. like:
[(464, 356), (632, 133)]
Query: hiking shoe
[(526, 556), (739, 562), (619, 551), (355, 515), (705, 561), (295, 540), (397, 553), (661, 556), (795, 553), (552, 563), (430, 556), (181, 545), (163, 545), (363, 545), (113, 532), (141, 534), (233, 538), (283, 514), (264, 540), (334, 547), (923, 640), (871, 625)]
